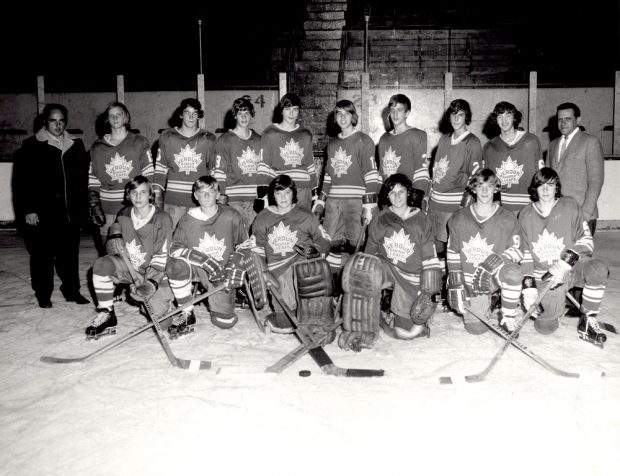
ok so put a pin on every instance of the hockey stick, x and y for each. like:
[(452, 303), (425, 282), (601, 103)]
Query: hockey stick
[(519, 345), (603, 325), (115, 343), (316, 351), (174, 360), (480, 376)]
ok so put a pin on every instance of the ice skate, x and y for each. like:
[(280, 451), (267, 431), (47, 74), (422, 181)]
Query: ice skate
[(182, 323), (103, 324), (509, 325), (589, 330)]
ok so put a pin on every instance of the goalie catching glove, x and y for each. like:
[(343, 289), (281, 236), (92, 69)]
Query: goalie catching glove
[(485, 274), (204, 261)]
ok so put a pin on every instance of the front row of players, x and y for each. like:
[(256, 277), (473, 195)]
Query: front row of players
[(394, 284)]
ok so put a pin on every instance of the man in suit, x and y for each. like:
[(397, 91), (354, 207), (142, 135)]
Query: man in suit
[(577, 157)]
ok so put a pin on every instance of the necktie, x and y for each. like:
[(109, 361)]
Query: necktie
[(563, 147)]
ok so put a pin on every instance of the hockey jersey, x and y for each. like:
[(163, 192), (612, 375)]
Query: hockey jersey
[(546, 238), (515, 165), (472, 239), (287, 153), (236, 165), (275, 235), (351, 171), (112, 166), (216, 236), (405, 153), (148, 243), (405, 243), (456, 160), (180, 162)]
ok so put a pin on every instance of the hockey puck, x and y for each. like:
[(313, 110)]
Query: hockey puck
[(305, 373)]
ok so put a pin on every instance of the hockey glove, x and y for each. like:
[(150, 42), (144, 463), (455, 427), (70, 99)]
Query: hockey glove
[(261, 200), (318, 204), (557, 271), (204, 261), (95, 213), (115, 244), (483, 280), (234, 271), (144, 291), (456, 291), (307, 250)]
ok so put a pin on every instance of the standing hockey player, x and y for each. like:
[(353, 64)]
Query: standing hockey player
[(351, 184), (185, 153), (514, 156), (237, 155), (284, 234), (400, 236), (483, 254), (286, 148), (404, 148), (557, 242), (115, 159), (202, 246), (144, 231)]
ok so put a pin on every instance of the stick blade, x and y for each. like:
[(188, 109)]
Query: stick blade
[(445, 380), (48, 359)]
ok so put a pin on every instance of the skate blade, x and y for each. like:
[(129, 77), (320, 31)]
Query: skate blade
[(106, 332), (182, 334), (589, 339)]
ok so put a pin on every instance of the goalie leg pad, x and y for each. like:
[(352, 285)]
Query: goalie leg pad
[(315, 292), (362, 279), (258, 288), (431, 281)]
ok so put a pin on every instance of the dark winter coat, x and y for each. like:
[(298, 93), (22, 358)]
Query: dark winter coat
[(50, 182)]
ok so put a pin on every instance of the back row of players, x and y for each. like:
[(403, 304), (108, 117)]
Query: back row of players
[(234, 177)]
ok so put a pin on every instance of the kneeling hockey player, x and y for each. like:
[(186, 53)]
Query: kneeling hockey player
[(483, 254), (143, 232)]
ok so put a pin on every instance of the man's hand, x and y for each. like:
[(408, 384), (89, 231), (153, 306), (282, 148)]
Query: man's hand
[(32, 219)]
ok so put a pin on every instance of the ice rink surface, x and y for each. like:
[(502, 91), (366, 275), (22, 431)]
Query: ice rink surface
[(129, 412)]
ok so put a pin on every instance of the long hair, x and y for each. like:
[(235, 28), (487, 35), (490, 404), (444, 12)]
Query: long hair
[(484, 176), (133, 184), (349, 107), (504, 106), (393, 180), (244, 103), (281, 182), (543, 176), (288, 100)]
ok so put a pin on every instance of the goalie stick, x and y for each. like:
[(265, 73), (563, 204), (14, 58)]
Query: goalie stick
[(316, 351), (603, 325), (522, 347), (480, 376)]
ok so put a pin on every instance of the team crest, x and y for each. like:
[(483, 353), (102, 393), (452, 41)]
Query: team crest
[(398, 247), (137, 258), (211, 246), (476, 250), (510, 172), (119, 168), (291, 153), (390, 162), (340, 162), (548, 247), (440, 169), (248, 161), (282, 240), (188, 159)]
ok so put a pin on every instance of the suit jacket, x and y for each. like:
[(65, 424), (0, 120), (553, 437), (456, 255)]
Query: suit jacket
[(581, 170)]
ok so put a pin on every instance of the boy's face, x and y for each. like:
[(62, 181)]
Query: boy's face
[(546, 192), (398, 196), (290, 114), (284, 198), (207, 195), (484, 192), (506, 121), (56, 123), (399, 114), (457, 120), (139, 196), (117, 118), (243, 118), (189, 117), (344, 119)]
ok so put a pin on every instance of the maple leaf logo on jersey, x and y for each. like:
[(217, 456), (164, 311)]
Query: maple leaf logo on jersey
[(188, 160), (341, 162), (390, 162), (248, 161), (398, 246), (440, 169), (119, 168), (137, 258), (510, 172), (211, 246), (476, 250), (291, 153), (548, 247), (282, 240)]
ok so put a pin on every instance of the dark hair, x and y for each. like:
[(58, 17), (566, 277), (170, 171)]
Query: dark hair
[(281, 182), (349, 107), (400, 99), (460, 105), (484, 176), (502, 107), (543, 176), (390, 183), (204, 181), (288, 100), (176, 119), (569, 105), (47, 110), (242, 104), (106, 112), (133, 184)]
